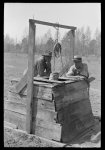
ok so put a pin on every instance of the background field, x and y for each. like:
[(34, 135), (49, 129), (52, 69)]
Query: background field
[(14, 65)]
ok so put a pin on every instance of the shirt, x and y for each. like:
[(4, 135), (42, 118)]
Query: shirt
[(41, 68), (81, 71)]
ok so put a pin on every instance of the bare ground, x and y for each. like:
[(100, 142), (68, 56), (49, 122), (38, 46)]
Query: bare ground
[(14, 65)]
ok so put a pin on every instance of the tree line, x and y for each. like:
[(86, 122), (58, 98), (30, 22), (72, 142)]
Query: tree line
[(85, 43)]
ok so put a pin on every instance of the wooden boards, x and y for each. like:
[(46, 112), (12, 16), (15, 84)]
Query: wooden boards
[(43, 128), (67, 106), (76, 119)]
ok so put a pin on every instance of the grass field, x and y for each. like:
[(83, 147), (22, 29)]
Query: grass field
[(14, 65)]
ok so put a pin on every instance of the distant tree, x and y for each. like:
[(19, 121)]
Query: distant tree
[(24, 45), (78, 44), (9, 45), (97, 37), (92, 47), (87, 40)]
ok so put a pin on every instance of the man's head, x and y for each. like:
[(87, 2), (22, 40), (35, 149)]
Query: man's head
[(47, 56), (77, 61)]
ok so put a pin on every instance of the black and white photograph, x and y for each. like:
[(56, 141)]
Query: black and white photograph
[(52, 75)]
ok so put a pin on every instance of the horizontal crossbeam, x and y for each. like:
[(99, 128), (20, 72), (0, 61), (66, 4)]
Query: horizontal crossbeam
[(52, 24)]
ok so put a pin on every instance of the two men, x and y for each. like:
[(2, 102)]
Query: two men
[(78, 69)]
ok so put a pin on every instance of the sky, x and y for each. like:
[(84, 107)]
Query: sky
[(17, 15)]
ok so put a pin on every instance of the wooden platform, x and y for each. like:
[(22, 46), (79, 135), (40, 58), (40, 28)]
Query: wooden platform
[(63, 109)]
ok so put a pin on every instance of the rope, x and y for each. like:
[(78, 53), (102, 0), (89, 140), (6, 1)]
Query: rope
[(57, 49)]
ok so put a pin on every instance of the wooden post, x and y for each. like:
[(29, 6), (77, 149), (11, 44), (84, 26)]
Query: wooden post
[(72, 42), (30, 75), (73, 34)]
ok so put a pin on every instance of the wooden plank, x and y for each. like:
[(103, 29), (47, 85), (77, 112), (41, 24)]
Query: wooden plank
[(38, 91), (42, 113), (69, 98), (44, 129), (22, 84), (40, 79), (8, 124), (81, 108), (46, 104), (30, 111), (77, 118), (15, 118), (52, 24), (76, 85), (43, 103), (14, 97), (43, 93)]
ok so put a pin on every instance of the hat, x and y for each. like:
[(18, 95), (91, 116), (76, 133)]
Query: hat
[(77, 59), (48, 53)]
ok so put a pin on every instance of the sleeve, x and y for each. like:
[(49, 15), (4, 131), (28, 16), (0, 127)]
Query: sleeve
[(85, 71), (48, 69), (40, 68), (70, 72)]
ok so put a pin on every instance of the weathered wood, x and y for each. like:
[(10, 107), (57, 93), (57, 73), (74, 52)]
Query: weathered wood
[(52, 24), (73, 40), (22, 84), (45, 114), (14, 97), (42, 128), (8, 124), (40, 79), (30, 111), (70, 87), (43, 92), (43, 103), (46, 104), (76, 119)]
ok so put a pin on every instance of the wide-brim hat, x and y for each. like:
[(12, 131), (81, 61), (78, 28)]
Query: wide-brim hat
[(77, 59), (48, 53)]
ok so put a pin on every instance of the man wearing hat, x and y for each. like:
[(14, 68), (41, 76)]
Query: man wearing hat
[(78, 68), (42, 66)]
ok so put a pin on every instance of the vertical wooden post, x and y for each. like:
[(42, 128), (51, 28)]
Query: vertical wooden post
[(73, 34), (30, 76), (72, 43)]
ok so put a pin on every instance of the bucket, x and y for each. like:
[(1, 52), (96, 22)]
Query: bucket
[(54, 76)]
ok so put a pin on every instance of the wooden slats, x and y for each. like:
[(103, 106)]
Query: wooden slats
[(42, 128), (76, 118), (69, 98), (40, 79), (45, 114), (43, 93), (16, 98), (38, 91)]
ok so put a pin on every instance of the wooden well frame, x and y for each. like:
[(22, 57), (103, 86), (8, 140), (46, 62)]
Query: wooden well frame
[(30, 114)]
